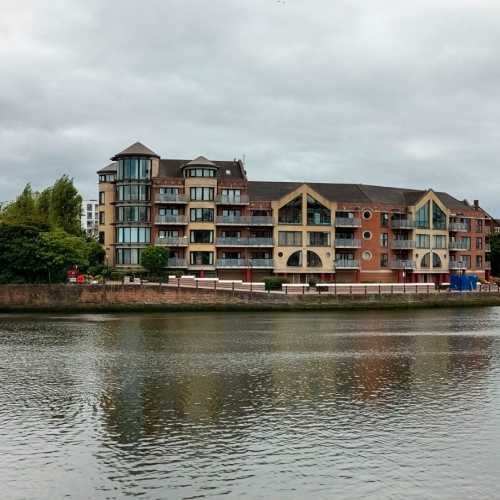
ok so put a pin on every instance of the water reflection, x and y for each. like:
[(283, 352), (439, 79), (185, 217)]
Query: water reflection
[(277, 405)]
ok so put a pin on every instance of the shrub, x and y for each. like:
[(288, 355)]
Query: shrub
[(274, 282), (313, 282)]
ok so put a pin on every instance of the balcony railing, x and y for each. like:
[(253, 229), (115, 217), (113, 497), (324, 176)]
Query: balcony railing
[(402, 244), (458, 226), (268, 263), (232, 263), (246, 263), (222, 199), (170, 198), (403, 264), (171, 219), (487, 266), (455, 265), (346, 264), (459, 245), (347, 243), (487, 247), (175, 262), (347, 222), (172, 241), (244, 242), (245, 220), (403, 224)]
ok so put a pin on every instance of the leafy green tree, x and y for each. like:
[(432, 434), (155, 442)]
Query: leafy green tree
[(65, 206), (43, 203), (495, 254), (22, 211), (95, 253), (154, 259)]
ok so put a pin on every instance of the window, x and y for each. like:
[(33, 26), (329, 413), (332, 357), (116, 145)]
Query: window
[(479, 243), (168, 233), (367, 255), (291, 213), (102, 198), (231, 195), (101, 217), (128, 256), (438, 217), (313, 259), (367, 235), (384, 219), (90, 215), (89, 207), (133, 235), (201, 236), (466, 242), (367, 214), (133, 192), (232, 233), (426, 261), (202, 193), (384, 260), (423, 241), (134, 169), (132, 214), (231, 212), (384, 240), (439, 241), (101, 237), (200, 172), (168, 211), (436, 260), (479, 226), (102, 178), (422, 216), (202, 214), (317, 214), (290, 238), (479, 261), (466, 260), (201, 258), (295, 260), (317, 239)]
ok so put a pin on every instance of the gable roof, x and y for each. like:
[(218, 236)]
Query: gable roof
[(136, 149)]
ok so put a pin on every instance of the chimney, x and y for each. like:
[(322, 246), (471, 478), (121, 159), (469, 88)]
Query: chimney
[(476, 204)]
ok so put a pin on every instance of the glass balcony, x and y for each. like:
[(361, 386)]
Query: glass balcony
[(459, 245), (172, 241), (347, 243), (458, 226), (456, 265), (403, 264), (244, 220), (171, 219), (231, 263), (176, 262), (347, 222), (244, 242), (346, 264), (402, 244), (242, 199), (406, 223), (170, 198)]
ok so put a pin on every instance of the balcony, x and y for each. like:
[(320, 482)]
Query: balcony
[(346, 264), (403, 224), (347, 243), (175, 262), (487, 247), (459, 245), (232, 200), (458, 226), (403, 264), (170, 198), (244, 220), (172, 241), (246, 263), (244, 242), (231, 263), (402, 244), (262, 263), (487, 266), (457, 265), (347, 222), (171, 219)]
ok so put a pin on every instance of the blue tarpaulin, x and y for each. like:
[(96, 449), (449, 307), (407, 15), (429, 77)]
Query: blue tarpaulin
[(463, 282)]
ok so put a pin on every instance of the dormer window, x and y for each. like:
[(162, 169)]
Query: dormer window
[(200, 172)]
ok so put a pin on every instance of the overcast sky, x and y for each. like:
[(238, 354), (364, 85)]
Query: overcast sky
[(385, 92)]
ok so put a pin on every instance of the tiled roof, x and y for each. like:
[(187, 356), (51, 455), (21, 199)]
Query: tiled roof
[(136, 149), (201, 161), (226, 169), (111, 168)]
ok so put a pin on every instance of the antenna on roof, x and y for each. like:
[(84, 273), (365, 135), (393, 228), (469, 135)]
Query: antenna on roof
[(244, 159)]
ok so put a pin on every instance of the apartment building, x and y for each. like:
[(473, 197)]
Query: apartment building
[(90, 218), (215, 221)]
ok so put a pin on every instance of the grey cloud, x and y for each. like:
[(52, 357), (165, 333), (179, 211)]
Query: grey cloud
[(381, 92)]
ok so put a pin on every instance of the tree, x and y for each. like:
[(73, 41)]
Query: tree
[(22, 211), (495, 254), (154, 259), (65, 206)]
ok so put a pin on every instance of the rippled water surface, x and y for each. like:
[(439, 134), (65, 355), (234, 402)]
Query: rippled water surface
[(282, 405)]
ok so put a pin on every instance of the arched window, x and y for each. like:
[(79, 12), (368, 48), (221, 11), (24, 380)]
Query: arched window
[(295, 260), (426, 260), (436, 260), (313, 259)]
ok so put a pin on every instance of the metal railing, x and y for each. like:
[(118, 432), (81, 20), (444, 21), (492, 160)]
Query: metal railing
[(242, 199), (459, 245), (244, 241), (170, 198), (261, 263), (171, 219), (247, 220), (402, 224), (403, 264), (232, 263), (458, 226), (457, 265), (174, 262), (347, 222), (346, 264), (173, 241), (347, 243), (402, 244)]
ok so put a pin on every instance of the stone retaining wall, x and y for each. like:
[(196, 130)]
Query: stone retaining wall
[(76, 298)]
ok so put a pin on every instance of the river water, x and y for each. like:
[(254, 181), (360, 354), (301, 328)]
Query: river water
[(382, 405)]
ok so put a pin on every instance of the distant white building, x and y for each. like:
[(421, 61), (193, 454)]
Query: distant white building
[(90, 217)]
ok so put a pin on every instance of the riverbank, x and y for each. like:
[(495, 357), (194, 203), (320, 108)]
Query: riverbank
[(129, 298)]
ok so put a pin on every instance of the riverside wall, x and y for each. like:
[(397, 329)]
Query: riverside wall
[(115, 298)]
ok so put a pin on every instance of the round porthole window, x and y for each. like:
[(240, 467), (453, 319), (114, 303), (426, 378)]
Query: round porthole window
[(367, 214), (280, 254), (367, 235), (367, 255)]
